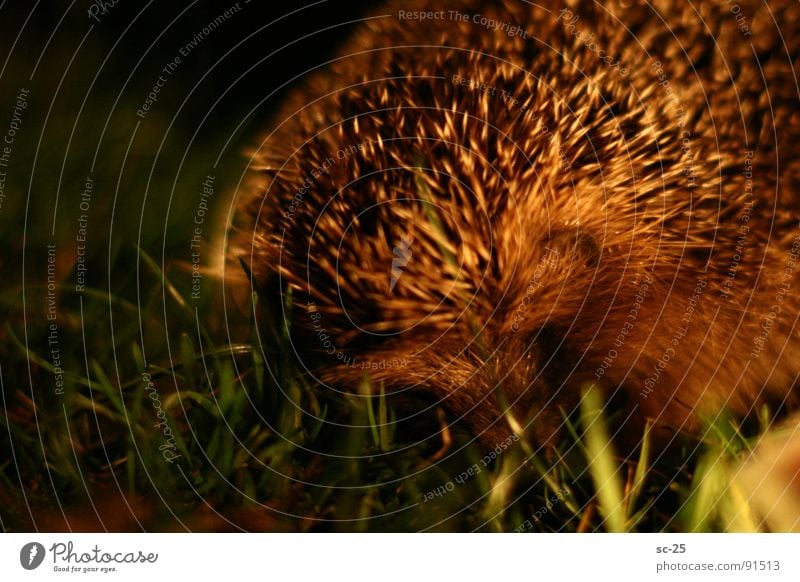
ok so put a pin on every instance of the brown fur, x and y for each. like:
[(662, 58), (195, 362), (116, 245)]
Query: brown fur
[(534, 225)]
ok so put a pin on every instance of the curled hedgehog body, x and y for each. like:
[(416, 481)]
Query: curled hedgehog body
[(496, 203)]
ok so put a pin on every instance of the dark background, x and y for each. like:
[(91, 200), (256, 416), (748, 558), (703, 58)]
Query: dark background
[(87, 80)]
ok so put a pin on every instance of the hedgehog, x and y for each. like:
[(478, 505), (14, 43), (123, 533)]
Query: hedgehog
[(496, 204)]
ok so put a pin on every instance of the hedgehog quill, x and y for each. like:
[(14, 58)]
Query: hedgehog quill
[(517, 199)]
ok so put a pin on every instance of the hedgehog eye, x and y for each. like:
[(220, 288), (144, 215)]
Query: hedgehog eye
[(577, 246), (586, 247)]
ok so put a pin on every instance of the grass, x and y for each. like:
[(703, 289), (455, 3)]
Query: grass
[(246, 442)]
